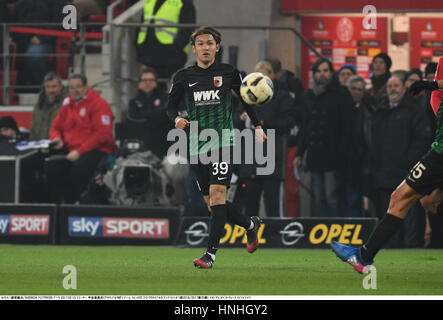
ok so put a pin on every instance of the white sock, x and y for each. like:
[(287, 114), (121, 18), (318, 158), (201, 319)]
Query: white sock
[(212, 256)]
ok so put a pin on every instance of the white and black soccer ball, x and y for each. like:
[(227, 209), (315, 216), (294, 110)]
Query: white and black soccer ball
[(256, 89)]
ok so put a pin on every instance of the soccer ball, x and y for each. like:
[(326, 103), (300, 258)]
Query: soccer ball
[(256, 89)]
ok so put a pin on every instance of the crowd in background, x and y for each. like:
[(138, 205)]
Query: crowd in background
[(357, 140), (36, 51)]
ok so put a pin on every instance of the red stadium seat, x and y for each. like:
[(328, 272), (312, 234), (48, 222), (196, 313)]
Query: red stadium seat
[(97, 18), (102, 17)]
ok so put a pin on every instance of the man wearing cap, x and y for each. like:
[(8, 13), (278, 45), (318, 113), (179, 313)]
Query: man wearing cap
[(344, 73), (381, 64)]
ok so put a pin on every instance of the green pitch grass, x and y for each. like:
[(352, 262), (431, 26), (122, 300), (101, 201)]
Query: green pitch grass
[(38, 270)]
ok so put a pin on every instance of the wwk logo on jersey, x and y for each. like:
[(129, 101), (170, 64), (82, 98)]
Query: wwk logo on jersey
[(206, 97)]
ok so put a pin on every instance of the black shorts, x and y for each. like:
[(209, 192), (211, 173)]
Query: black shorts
[(427, 174), (219, 172)]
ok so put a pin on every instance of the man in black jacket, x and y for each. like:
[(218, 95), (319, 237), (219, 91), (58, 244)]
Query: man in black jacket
[(358, 165), (380, 67), (286, 80), (401, 135), (277, 114), (325, 136), (147, 113)]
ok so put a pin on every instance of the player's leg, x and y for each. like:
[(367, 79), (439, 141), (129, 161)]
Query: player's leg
[(202, 178), (251, 224), (215, 177), (217, 203), (402, 199), (220, 175), (421, 180)]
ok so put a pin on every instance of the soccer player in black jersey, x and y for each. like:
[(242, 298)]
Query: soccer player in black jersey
[(206, 88)]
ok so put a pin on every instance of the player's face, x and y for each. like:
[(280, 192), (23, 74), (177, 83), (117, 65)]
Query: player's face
[(323, 74), (52, 88), (147, 82), (77, 89), (395, 89), (357, 89), (205, 48)]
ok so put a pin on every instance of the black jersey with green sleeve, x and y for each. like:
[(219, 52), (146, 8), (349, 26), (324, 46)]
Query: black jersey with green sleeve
[(207, 94)]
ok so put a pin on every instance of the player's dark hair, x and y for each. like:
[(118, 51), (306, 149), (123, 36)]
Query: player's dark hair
[(147, 69), (320, 61), (82, 77), (206, 30)]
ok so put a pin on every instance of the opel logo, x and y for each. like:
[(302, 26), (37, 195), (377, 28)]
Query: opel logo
[(196, 233), (292, 233)]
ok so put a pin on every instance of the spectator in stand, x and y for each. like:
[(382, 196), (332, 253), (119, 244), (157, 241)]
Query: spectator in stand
[(381, 64), (344, 73), (42, 11), (277, 114), (430, 70), (48, 104), (413, 75), (165, 49), (85, 8), (286, 80), (82, 131), (325, 137), (424, 97), (9, 130), (8, 127), (401, 136), (147, 112), (356, 175)]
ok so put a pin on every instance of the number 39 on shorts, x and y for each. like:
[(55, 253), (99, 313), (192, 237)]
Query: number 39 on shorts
[(221, 167), (417, 172)]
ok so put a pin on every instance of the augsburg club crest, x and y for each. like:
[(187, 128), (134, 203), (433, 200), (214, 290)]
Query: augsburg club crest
[(218, 81)]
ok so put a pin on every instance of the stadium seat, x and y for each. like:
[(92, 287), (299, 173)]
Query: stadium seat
[(102, 17)]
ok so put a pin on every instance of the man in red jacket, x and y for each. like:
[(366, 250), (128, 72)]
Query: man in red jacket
[(83, 131)]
